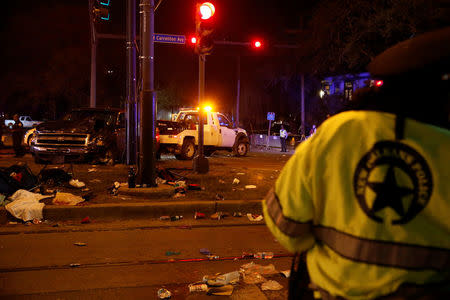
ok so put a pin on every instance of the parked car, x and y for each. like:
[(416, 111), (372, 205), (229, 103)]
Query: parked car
[(26, 121)]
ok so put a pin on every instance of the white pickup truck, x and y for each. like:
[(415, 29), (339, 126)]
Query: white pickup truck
[(181, 135), (26, 121)]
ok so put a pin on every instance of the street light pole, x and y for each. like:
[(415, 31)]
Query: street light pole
[(147, 155)]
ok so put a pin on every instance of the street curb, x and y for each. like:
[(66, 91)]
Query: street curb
[(133, 211)]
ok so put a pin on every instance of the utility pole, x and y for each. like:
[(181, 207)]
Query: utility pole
[(131, 107), (238, 93), (93, 90), (147, 132)]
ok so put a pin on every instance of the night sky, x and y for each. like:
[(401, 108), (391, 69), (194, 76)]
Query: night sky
[(38, 35)]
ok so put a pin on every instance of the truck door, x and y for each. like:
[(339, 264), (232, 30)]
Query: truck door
[(211, 131), (226, 131)]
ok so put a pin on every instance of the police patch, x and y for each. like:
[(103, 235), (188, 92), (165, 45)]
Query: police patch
[(392, 175)]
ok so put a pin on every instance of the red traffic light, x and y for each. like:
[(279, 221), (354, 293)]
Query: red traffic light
[(207, 10), (378, 82), (193, 40), (257, 44)]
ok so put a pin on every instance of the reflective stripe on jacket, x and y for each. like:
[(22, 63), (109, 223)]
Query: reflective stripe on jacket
[(373, 211)]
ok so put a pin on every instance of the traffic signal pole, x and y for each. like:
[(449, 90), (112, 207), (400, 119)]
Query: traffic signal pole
[(201, 163), (147, 132)]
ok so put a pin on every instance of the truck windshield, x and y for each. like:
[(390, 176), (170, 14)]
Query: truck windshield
[(108, 117)]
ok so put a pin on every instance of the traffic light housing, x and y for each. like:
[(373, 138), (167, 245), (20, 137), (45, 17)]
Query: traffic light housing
[(204, 27), (101, 10)]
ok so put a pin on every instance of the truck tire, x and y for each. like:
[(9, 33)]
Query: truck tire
[(241, 148), (187, 150)]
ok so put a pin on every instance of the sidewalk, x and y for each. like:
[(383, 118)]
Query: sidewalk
[(260, 168)]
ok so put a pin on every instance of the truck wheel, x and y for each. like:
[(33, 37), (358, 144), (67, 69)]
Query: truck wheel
[(241, 148), (187, 150)]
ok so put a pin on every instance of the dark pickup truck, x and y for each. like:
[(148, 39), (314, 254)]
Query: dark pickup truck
[(83, 134)]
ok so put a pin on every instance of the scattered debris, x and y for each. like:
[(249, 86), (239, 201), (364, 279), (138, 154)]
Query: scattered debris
[(254, 217), (221, 181), (264, 255), (237, 214), (263, 270), (66, 199), (246, 255), (205, 251), (198, 287), (271, 285), (236, 181), (164, 294), (219, 215), (159, 180), (164, 218), (90, 170), (86, 220), (75, 265), (220, 197), (250, 186), (176, 218), (240, 173), (114, 190), (80, 244), (76, 183), (225, 290), (25, 205), (194, 187), (213, 257), (286, 273), (199, 215), (36, 221), (222, 279), (13, 223), (179, 195), (170, 253)]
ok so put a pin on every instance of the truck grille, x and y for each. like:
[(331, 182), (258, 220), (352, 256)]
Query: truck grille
[(61, 139)]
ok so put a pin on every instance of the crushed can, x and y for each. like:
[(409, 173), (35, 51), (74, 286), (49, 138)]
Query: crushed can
[(198, 287)]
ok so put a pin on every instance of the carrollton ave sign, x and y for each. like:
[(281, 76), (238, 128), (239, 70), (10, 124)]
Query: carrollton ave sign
[(169, 38)]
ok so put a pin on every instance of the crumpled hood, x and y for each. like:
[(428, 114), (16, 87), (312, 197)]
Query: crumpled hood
[(79, 126)]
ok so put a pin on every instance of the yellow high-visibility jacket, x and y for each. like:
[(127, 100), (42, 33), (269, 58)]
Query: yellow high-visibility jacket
[(372, 211)]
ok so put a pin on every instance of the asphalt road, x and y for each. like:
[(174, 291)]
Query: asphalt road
[(127, 261)]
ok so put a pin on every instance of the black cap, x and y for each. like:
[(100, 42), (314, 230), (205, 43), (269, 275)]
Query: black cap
[(425, 54)]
